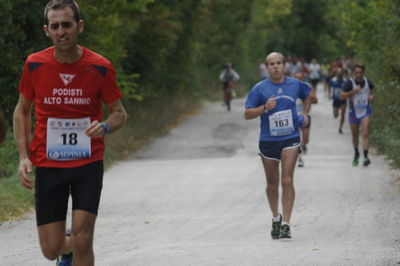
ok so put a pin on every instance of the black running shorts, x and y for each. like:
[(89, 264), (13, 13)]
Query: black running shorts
[(54, 185), (272, 149)]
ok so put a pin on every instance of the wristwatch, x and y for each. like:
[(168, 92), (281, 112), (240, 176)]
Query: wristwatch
[(106, 128)]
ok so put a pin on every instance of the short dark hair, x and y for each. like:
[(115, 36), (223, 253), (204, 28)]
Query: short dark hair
[(61, 4), (359, 66)]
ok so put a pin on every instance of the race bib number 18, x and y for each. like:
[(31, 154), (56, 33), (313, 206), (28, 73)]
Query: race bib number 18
[(66, 139), (281, 123)]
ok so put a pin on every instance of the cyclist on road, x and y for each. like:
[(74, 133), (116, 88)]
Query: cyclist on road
[(359, 90), (228, 77), (67, 84), (274, 101)]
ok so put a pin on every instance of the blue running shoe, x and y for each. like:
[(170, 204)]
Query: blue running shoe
[(65, 259)]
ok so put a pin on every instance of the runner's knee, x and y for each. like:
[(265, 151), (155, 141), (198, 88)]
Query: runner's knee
[(365, 134), (287, 181), (81, 242), (52, 250)]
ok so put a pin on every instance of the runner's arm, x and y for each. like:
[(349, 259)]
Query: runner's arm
[(347, 94), (114, 121), (371, 91), (348, 91), (251, 113), (22, 128), (371, 95), (307, 104)]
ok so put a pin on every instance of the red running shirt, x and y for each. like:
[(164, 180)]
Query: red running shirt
[(74, 90)]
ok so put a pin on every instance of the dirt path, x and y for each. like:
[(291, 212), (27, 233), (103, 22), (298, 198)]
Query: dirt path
[(196, 197)]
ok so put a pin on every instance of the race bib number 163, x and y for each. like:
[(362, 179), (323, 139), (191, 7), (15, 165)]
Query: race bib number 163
[(281, 123), (66, 139)]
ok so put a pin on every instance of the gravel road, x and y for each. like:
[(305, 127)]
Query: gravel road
[(196, 197)]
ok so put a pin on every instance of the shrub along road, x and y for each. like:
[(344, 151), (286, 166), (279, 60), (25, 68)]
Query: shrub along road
[(196, 197)]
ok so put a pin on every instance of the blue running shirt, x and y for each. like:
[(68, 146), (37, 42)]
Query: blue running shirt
[(337, 85), (282, 122)]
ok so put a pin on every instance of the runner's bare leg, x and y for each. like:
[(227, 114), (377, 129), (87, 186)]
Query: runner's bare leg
[(271, 168), (289, 157)]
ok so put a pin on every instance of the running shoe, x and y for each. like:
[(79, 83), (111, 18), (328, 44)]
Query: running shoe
[(355, 160), (285, 231), (276, 227), (65, 259), (300, 163), (367, 161), (340, 131)]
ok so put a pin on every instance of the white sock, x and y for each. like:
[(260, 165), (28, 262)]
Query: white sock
[(277, 218), (284, 222)]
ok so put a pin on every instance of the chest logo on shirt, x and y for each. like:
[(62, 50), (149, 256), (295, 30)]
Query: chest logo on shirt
[(280, 91), (66, 78)]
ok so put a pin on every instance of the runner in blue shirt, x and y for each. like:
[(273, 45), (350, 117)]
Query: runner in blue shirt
[(336, 84), (274, 101)]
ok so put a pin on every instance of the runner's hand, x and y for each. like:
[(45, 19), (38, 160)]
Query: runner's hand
[(356, 89), (306, 121), (95, 130), (24, 169), (271, 103)]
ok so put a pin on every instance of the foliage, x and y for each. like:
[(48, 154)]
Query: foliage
[(20, 34), (302, 28), (372, 32)]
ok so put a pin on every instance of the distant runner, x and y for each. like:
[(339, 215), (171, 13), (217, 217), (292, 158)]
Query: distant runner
[(314, 70), (359, 90), (339, 106), (305, 131), (274, 101)]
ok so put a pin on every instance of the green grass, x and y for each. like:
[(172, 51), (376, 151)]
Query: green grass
[(386, 138), (14, 199)]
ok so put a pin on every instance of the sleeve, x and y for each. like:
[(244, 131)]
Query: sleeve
[(110, 91), (221, 75), (25, 84), (370, 84), (304, 90), (236, 76), (348, 86), (253, 99)]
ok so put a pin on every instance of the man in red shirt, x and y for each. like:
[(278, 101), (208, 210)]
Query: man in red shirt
[(67, 84)]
